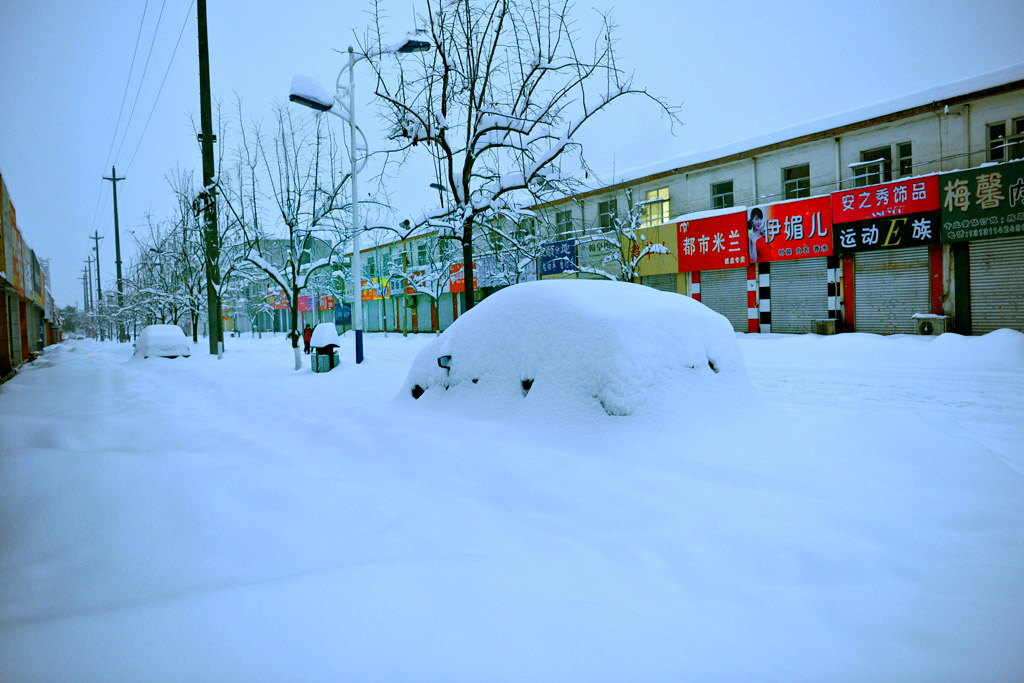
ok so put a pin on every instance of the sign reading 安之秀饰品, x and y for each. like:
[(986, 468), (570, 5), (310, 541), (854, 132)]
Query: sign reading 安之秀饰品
[(902, 213), (983, 203)]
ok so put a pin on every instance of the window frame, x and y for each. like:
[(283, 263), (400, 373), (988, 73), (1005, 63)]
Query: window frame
[(721, 198), (563, 224), (607, 212), (656, 208), (875, 167), (799, 187), (1012, 146)]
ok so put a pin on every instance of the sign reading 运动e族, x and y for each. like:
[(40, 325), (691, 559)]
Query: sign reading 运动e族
[(983, 203), (903, 213)]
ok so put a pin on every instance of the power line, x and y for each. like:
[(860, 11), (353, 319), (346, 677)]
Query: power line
[(120, 111), (188, 15), (145, 69)]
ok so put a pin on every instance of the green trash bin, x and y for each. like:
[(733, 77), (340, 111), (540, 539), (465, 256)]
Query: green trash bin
[(324, 358)]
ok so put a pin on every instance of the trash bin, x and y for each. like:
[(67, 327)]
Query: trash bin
[(324, 345), (324, 358)]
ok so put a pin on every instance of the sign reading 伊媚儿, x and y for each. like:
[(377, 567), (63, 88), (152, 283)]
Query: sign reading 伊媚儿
[(983, 203), (903, 213)]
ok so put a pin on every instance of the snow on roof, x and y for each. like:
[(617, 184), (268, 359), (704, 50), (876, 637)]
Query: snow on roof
[(917, 99)]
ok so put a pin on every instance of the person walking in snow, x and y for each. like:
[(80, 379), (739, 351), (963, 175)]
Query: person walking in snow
[(307, 334)]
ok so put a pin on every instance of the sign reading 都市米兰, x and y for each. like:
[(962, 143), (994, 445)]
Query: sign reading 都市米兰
[(713, 242), (983, 203), (902, 213)]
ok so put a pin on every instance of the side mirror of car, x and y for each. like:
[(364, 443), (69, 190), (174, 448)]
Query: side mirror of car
[(445, 362)]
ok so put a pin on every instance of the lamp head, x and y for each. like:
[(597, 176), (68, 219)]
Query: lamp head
[(309, 93)]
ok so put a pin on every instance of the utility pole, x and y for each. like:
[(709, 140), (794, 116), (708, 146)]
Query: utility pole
[(117, 255), (209, 193), (99, 288)]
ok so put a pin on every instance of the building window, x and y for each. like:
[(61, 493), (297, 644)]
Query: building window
[(370, 267), (606, 213), (656, 208), (721, 195), (905, 155), (796, 181), (563, 224), (875, 167), (1003, 147), (422, 258)]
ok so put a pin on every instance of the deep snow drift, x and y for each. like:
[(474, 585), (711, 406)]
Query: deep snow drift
[(235, 520)]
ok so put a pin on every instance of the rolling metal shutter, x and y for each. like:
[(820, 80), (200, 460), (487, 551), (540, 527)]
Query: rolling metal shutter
[(799, 294), (725, 291), (444, 311), (664, 283), (423, 322), (997, 284), (890, 286)]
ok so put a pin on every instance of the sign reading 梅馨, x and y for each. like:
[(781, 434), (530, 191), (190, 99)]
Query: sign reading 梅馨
[(983, 203)]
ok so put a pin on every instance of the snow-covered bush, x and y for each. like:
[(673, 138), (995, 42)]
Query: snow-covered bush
[(168, 341), (564, 346)]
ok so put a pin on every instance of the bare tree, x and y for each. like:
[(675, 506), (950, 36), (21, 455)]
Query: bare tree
[(617, 249), (498, 104), (285, 195)]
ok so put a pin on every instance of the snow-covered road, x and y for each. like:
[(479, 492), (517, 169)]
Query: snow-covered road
[(195, 519)]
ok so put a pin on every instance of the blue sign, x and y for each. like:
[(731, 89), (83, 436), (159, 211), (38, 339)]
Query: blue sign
[(343, 315), (558, 257)]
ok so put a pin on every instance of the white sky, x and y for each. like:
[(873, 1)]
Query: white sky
[(739, 68)]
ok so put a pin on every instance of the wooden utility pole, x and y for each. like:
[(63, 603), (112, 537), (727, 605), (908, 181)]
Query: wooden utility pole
[(209, 193), (99, 288), (117, 255)]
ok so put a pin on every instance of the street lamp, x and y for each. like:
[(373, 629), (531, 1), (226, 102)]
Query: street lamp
[(309, 93)]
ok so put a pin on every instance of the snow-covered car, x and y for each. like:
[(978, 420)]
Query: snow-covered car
[(560, 346), (165, 341)]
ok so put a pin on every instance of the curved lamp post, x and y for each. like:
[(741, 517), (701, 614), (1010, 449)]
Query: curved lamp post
[(309, 93)]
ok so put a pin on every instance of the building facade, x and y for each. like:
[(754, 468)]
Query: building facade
[(862, 219), (29, 320)]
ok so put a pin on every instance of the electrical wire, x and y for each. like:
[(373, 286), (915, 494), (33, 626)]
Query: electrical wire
[(142, 80), (188, 15), (120, 111)]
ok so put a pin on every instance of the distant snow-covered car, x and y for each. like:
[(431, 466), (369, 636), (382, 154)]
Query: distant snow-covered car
[(166, 341), (562, 346)]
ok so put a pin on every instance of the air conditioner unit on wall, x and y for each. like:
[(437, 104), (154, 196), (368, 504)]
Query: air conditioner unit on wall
[(930, 325)]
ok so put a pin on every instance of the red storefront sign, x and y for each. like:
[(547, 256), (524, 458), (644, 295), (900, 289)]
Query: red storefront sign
[(306, 303), (791, 230), (326, 302), (280, 301), (713, 242), (898, 198), (458, 279), (904, 213)]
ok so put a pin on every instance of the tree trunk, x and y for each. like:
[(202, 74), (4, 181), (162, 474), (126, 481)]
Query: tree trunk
[(467, 267)]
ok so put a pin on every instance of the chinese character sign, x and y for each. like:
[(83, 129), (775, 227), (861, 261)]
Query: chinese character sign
[(713, 242), (457, 283), (281, 301), (983, 203), (558, 257), (326, 302), (790, 230), (305, 303), (904, 213)]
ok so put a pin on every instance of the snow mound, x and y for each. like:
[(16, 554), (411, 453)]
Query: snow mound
[(559, 347), (324, 334), (168, 341)]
